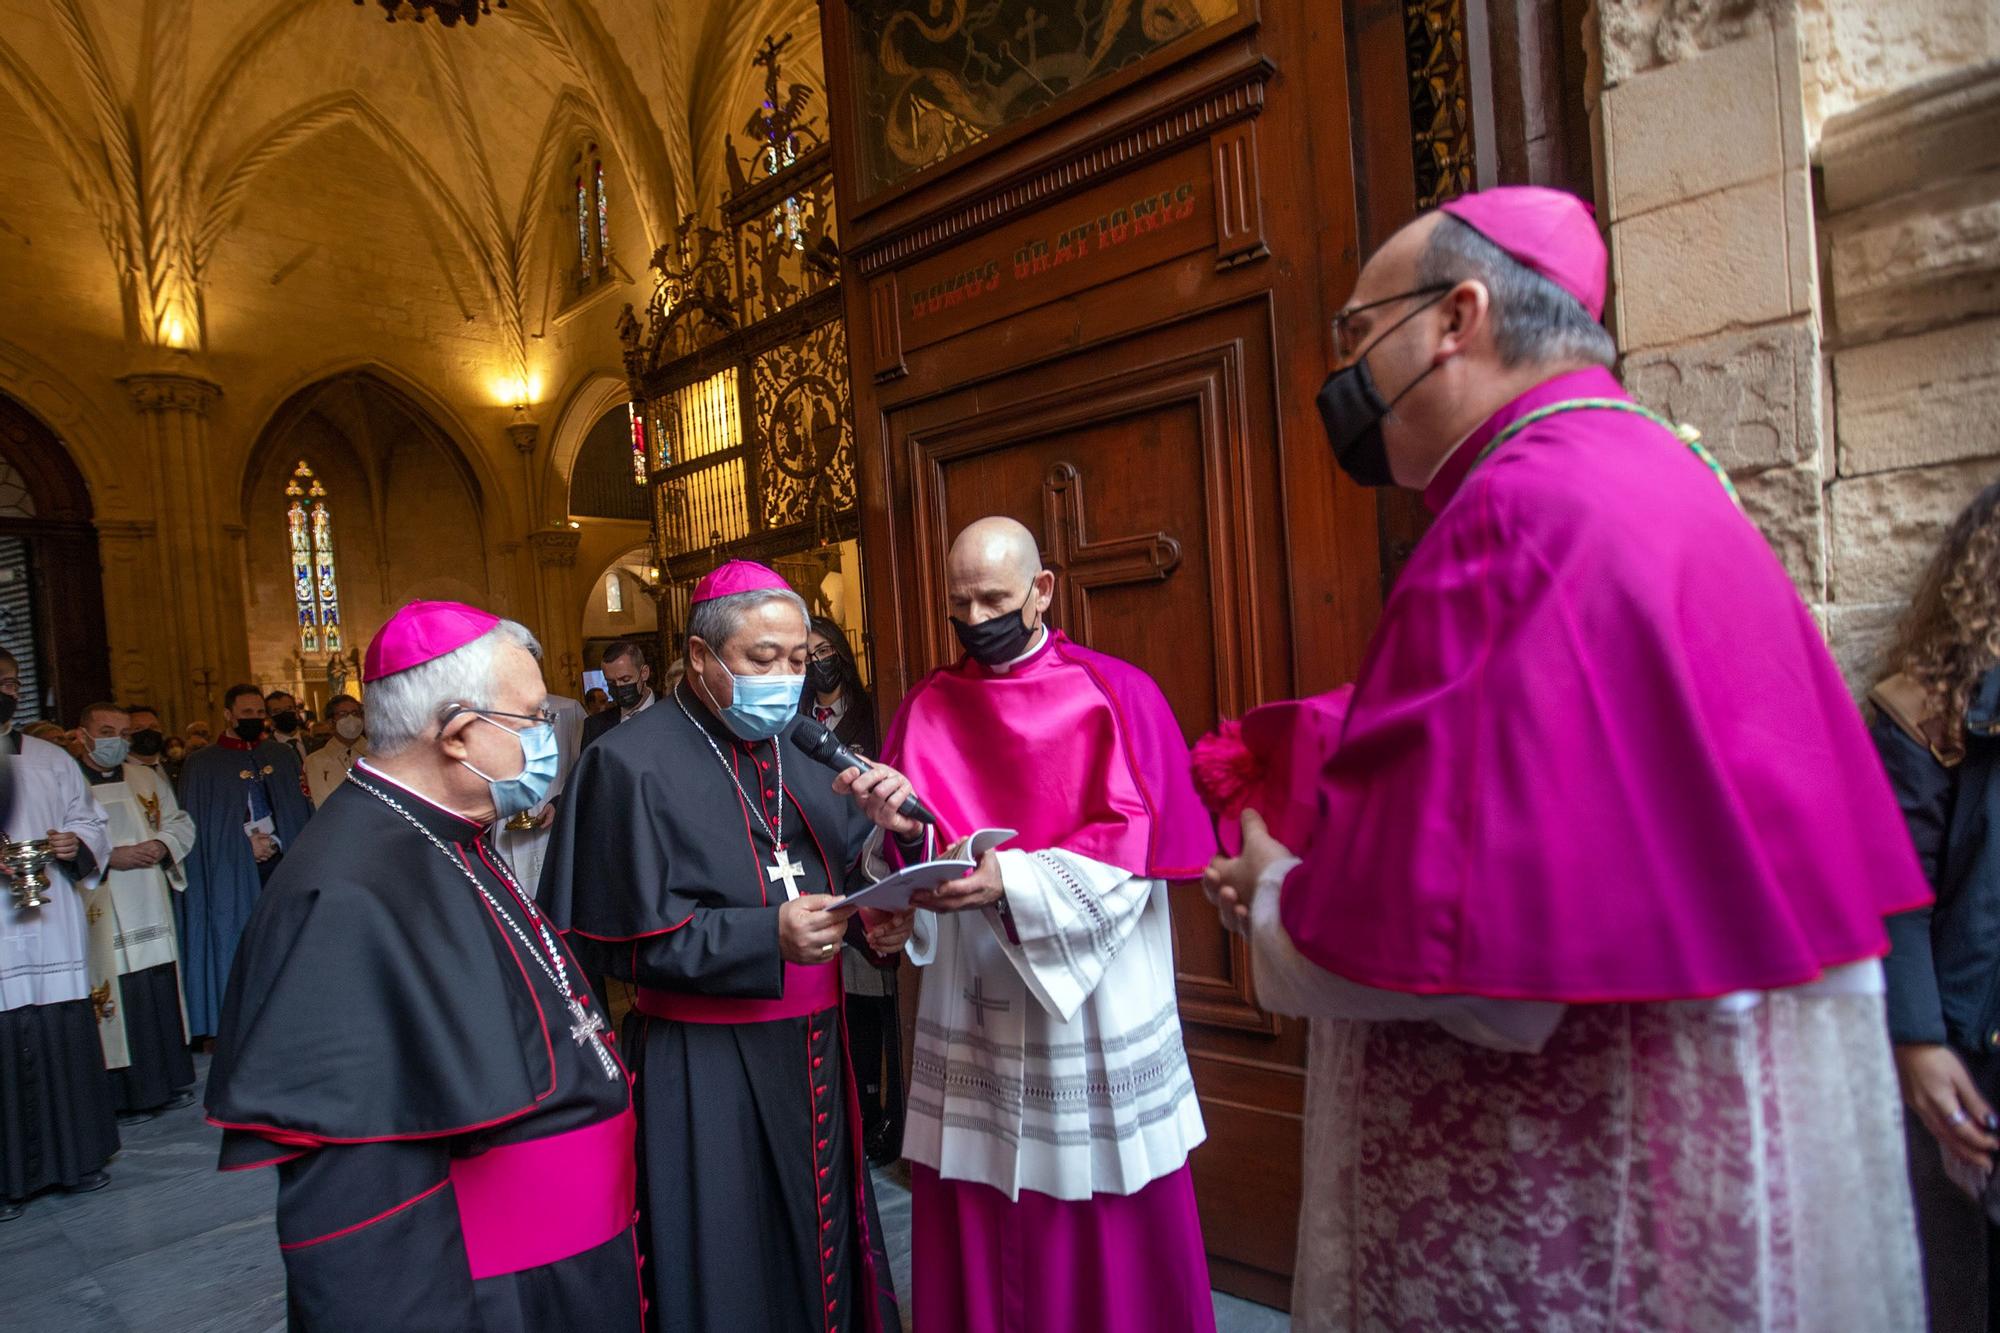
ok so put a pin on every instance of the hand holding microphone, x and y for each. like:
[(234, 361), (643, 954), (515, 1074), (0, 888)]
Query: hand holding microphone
[(883, 794)]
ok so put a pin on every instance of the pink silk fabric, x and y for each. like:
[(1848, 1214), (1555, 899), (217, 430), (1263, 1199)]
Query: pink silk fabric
[(808, 990), (1113, 1263), (523, 1205), (1598, 750), (1073, 748)]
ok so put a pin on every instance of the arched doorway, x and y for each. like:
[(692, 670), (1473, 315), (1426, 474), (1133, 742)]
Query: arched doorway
[(51, 581)]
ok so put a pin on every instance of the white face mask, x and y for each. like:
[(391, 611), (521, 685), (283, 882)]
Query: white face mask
[(348, 728)]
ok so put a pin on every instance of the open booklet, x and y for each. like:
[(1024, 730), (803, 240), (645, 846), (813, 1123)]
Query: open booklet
[(892, 894)]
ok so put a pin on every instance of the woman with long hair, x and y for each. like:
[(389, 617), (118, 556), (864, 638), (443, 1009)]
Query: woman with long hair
[(1937, 724), (834, 695)]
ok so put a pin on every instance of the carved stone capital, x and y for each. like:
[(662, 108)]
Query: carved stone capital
[(524, 434), (171, 393), (555, 547)]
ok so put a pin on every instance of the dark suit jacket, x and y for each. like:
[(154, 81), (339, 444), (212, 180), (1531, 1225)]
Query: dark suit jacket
[(597, 724), (1943, 967)]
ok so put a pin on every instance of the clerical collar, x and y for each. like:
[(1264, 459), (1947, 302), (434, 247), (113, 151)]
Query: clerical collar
[(1043, 638), (446, 823), (1590, 382), (97, 777)]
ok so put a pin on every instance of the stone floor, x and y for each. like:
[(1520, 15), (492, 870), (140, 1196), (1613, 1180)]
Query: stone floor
[(173, 1246)]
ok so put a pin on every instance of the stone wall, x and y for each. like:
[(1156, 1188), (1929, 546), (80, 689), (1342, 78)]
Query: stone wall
[(1803, 199)]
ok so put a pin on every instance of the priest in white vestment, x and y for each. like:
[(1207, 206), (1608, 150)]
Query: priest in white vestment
[(1051, 1111), (134, 952), (57, 1126), (328, 766)]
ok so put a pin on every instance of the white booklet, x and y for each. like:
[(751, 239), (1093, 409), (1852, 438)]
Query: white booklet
[(893, 893)]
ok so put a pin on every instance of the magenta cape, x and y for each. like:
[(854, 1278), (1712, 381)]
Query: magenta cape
[(1598, 750), (1074, 749)]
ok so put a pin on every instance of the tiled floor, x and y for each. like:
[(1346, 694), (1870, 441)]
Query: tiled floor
[(173, 1246)]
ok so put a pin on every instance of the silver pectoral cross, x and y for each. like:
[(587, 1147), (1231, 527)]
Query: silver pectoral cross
[(584, 1033), (787, 870)]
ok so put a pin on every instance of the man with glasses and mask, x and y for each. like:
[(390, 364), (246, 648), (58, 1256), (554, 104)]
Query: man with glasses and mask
[(133, 954), (1051, 1111), (1601, 857), (629, 679), (700, 855), (248, 805), (407, 1040)]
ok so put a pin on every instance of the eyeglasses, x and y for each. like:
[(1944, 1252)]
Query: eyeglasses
[(541, 716), (827, 654), (1347, 339)]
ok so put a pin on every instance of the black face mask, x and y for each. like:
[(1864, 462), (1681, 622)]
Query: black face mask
[(285, 722), (824, 677), (626, 695), (998, 641), (8, 703), (148, 743), (1351, 409), (249, 730)]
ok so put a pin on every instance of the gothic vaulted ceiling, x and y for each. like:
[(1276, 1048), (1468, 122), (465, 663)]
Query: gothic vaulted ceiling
[(147, 128)]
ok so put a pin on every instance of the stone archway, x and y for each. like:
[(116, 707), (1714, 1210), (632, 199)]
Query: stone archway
[(51, 577), (406, 514)]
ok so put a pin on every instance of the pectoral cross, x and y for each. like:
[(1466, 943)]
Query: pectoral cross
[(584, 1033), (976, 997), (787, 870)]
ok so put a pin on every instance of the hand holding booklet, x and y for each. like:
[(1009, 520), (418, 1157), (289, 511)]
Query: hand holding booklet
[(893, 893)]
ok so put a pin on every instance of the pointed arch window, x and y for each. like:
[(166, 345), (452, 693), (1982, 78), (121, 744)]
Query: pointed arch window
[(315, 582), (593, 218)]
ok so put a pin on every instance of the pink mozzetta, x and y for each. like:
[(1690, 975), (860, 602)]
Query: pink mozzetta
[(1551, 232), (1073, 748), (1598, 751), (734, 577), (423, 632)]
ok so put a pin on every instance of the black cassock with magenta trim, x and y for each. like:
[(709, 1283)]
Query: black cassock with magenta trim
[(452, 1133), (758, 1214)]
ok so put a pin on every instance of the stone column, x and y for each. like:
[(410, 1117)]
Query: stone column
[(136, 616), (1706, 185), (560, 630), (194, 652)]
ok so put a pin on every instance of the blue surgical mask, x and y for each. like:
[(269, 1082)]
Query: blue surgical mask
[(527, 789), (107, 752), (760, 706)]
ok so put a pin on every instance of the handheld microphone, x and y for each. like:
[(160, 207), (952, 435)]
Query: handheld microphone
[(823, 745)]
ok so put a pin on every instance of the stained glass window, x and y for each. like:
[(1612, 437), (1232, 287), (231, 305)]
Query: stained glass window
[(582, 224), (315, 584), (603, 210), (638, 420)]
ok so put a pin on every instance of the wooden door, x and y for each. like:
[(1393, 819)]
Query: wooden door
[(1107, 318)]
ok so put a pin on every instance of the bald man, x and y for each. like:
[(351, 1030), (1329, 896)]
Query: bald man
[(1051, 1112)]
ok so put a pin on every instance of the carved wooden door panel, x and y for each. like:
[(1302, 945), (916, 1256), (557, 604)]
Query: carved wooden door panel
[(1145, 468)]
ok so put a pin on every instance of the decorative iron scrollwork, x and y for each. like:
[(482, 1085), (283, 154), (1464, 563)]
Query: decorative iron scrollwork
[(800, 397), (1440, 99)]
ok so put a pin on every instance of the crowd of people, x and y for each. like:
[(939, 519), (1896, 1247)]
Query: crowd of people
[(1587, 884)]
